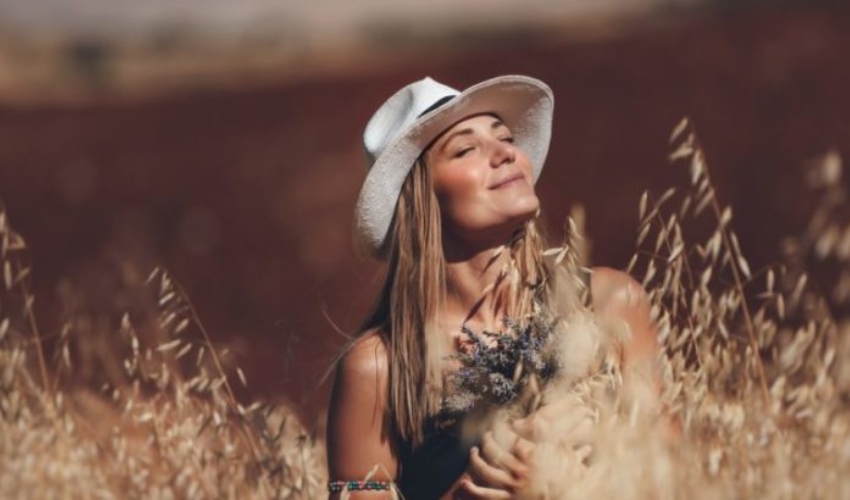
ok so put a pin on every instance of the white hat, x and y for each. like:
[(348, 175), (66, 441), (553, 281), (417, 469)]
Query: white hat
[(418, 113)]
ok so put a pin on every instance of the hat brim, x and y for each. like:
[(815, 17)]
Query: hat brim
[(524, 104)]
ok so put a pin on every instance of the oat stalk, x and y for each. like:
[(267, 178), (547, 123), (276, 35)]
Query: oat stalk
[(231, 396), (698, 155)]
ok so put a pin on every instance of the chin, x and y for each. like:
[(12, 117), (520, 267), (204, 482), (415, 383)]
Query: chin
[(498, 219), (518, 218), (526, 207)]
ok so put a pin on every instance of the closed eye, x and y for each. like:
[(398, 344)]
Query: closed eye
[(509, 139), (463, 152)]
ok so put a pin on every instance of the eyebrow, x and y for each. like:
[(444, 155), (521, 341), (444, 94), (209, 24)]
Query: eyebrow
[(467, 131)]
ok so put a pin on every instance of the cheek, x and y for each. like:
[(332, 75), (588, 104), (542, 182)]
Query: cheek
[(457, 189), (525, 165)]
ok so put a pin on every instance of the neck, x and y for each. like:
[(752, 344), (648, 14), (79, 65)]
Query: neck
[(467, 283)]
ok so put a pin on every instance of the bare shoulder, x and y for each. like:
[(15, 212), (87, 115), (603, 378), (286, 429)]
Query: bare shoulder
[(615, 289), (366, 356), (616, 295)]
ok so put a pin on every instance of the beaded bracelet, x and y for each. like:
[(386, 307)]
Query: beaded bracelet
[(338, 486)]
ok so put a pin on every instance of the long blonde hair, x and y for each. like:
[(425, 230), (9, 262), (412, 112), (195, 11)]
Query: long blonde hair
[(406, 312)]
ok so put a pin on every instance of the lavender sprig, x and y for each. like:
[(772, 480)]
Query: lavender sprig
[(496, 367)]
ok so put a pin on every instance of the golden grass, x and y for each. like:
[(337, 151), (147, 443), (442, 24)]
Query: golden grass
[(170, 427), (752, 361), (752, 373)]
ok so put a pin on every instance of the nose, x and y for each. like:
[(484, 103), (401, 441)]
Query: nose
[(503, 153)]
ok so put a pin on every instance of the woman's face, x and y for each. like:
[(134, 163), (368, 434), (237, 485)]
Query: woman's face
[(483, 182)]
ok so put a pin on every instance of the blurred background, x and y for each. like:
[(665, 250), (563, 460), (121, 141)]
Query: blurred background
[(221, 140)]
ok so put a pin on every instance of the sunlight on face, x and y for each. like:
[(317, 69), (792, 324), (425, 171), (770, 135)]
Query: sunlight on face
[(482, 180)]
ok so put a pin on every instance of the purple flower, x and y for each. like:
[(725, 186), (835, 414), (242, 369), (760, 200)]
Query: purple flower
[(495, 367)]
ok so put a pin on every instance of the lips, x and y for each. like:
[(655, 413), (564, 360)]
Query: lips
[(507, 181)]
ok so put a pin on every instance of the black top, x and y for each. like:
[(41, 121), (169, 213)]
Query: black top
[(429, 470)]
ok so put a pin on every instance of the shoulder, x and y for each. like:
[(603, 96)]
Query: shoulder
[(617, 296), (366, 356), (362, 373), (615, 289)]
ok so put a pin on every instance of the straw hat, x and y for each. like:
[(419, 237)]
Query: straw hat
[(417, 114)]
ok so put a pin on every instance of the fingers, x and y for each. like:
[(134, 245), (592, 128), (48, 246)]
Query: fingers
[(502, 458), (582, 432), (468, 489), (487, 473), (583, 452), (569, 408), (523, 449), (531, 428), (565, 419), (496, 466)]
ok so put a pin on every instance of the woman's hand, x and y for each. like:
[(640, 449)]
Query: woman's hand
[(562, 432), (500, 468), (568, 420)]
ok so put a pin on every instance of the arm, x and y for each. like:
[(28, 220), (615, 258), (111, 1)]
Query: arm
[(358, 436)]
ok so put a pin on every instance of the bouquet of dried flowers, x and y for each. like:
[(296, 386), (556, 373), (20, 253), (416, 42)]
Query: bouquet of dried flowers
[(497, 368)]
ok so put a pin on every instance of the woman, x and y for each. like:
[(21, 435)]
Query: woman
[(449, 202)]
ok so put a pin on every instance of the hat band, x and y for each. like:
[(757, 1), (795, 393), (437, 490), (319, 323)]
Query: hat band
[(436, 105)]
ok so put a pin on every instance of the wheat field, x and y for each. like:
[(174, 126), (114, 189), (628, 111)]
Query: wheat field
[(751, 372)]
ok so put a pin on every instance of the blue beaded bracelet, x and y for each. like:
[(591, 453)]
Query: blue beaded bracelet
[(338, 486)]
